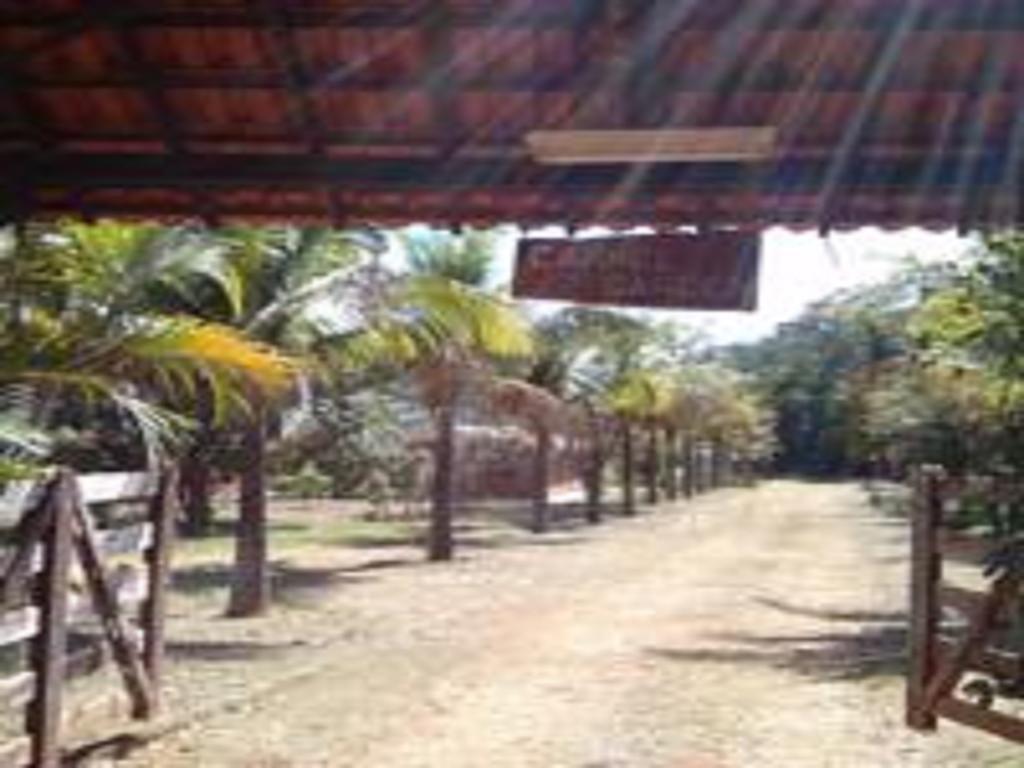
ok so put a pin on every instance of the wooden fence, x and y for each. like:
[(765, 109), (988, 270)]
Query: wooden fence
[(966, 639), (82, 589)]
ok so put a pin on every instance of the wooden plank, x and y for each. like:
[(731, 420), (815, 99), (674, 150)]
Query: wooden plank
[(19, 624), (964, 547), (925, 614), (16, 690), (109, 487), (988, 720), (992, 662), (966, 601), (18, 565), (126, 540), (130, 591), (104, 599), (948, 674), (48, 650), (18, 497)]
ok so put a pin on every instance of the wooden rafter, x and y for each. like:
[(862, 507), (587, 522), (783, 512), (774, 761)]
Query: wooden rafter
[(437, 31), (298, 81)]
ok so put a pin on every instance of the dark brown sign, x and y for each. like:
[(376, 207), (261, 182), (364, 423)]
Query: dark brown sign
[(713, 271)]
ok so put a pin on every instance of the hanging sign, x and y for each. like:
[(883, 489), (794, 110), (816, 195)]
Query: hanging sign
[(708, 271)]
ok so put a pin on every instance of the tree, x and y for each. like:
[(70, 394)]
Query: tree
[(92, 342), (641, 397), (456, 327), (817, 371), (304, 288), (544, 414)]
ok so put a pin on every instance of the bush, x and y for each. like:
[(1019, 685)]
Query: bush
[(307, 483)]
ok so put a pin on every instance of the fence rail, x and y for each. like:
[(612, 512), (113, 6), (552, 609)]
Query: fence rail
[(82, 588)]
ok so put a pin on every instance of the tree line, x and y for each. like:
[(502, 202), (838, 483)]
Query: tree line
[(926, 367), (302, 352)]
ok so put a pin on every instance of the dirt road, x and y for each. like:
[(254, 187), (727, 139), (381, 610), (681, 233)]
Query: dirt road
[(749, 628)]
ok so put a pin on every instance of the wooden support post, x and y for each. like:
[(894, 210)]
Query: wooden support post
[(689, 468), (158, 561), (49, 648), (925, 572)]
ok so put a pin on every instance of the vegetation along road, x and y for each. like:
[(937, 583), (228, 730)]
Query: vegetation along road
[(747, 628)]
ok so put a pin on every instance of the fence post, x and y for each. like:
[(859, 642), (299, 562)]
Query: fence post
[(49, 648), (162, 513), (925, 572)]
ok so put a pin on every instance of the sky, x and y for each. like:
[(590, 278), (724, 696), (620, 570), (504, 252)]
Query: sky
[(797, 269)]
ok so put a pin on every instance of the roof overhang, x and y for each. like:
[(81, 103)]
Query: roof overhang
[(880, 112)]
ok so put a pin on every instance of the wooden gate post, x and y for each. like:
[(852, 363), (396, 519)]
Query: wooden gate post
[(49, 648), (925, 612), (162, 514)]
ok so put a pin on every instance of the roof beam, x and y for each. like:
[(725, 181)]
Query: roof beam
[(210, 171), (878, 15)]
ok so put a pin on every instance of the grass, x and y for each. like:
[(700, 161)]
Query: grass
[(293, 529)]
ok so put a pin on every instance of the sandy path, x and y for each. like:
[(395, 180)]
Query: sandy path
[(748, 628)]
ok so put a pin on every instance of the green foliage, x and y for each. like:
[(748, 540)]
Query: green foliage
[(466, 258), (91, 335), (307, 483)]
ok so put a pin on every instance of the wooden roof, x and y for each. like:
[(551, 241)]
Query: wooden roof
[(889, 112)]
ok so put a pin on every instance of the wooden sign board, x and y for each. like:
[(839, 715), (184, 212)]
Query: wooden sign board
[(713, 271)]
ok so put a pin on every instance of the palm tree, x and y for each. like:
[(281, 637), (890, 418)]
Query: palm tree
[(641, 397), (303, 289), (447, 296), (90, 333), (544, 414)]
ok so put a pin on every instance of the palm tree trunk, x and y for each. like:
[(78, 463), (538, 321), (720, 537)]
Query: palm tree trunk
[(196, 484), (653, 459), (690, 468), (250, 582), (717, 464), (439, 537), (196, 473), (671, 464), (628, 490), (541, 479)]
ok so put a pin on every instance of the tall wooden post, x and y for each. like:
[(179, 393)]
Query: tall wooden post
[(49, 648), (925, 572), (158, 562)]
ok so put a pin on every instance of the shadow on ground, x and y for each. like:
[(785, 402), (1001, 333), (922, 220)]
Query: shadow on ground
[(229, 650), (287, 581), (876, 648)]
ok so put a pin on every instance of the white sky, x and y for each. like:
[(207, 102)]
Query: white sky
[(797, 269)]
